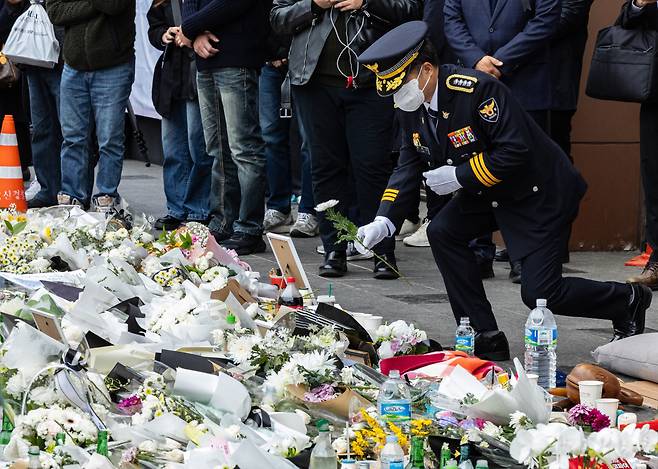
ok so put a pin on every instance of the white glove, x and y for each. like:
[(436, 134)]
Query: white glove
[(372, 233), (442, 180)]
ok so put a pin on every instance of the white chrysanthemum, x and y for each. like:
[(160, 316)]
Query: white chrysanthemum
[(326, 205), (315, 362), (239, 348)]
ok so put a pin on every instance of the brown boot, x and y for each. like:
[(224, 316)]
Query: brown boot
[(648, 277)]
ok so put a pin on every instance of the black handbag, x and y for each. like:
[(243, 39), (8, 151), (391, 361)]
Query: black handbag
[(624, 65)]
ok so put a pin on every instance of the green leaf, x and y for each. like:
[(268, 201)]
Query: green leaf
[(10, 227), (18, 227)]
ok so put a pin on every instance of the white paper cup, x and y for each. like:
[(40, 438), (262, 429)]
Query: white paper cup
[(533, 378), (371, 323), (331, 300), (609, 407), (590, 391)]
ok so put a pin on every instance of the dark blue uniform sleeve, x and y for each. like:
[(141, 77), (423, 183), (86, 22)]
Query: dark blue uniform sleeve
[(503, 122), (401, 195)]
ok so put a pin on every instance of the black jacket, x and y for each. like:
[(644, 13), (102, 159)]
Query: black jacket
[(433, 16), (504, 161), (646, 17), (310, 29), (567, 49), (240, 25), (173, 75)]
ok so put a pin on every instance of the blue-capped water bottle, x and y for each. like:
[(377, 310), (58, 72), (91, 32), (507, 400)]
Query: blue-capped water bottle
[(394, 401), (465, 337), (540, 345)]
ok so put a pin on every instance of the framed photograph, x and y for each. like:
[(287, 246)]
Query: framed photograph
[(358, 356), (49, 324), (288, 260)]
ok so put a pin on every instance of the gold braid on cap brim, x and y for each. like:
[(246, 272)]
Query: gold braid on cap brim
[(398, 67)]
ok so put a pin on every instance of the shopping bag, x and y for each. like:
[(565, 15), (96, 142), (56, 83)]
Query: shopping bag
[(32, 40)]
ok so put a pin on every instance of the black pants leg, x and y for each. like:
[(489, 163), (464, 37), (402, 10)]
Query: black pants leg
[(570, 296), (323, 120), (560, 124), (368, 127), (649, 170), (449, 234)]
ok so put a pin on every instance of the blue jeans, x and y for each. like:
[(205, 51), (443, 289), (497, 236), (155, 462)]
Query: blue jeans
[(276, 133), (187, 166), (228, 98), (100, 96), (46, 132)]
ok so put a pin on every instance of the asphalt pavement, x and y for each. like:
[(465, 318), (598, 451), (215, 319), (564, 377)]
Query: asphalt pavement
[(421, 298)]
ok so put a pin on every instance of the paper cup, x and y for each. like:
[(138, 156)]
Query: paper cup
[(590, 391), (533, 378), (609, 407), (372, 323)]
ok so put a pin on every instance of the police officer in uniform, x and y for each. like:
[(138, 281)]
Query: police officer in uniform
[(489, 166)]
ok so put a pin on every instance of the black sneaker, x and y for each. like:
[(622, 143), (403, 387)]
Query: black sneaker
[(386, 270), (335, 265), (167, 222), (634, 323), (220, 236), (244, 244), (38, 202)]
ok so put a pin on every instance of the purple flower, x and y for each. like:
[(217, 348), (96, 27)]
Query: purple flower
[(468, 424), (129, 456), (130, 405), (446, 419), (584, 416), (324, 392), (578, 413), (600, 420)]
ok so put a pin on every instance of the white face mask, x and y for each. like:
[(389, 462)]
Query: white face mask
[(410, 96)]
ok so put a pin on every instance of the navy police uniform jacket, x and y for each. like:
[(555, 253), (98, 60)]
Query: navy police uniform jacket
[(505, 163)]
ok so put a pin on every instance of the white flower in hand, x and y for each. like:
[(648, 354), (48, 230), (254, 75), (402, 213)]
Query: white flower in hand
[(324, 206)]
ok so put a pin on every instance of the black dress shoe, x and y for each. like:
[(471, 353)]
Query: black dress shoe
[(244, 244), (491, 345), (486, 271), (167, 222), (204, 221), (384, 271), (335, 265), (515, 272), (634, 323), (501, 255)]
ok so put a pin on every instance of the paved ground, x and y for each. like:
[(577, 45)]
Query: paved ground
[(424, 301)]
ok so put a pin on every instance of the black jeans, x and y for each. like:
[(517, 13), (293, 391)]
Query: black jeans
[(649, 171), (449, 234), (349, 131)]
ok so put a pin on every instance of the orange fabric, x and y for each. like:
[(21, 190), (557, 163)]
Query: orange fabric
[(641, 260), (12, 190)]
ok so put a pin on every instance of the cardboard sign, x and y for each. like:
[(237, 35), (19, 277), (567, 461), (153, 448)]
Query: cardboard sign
[(234, 287)]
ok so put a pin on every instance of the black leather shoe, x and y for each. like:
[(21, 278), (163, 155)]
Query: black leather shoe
[(335, 265), (634, 324), (383, 271), (515, 272), (167, 222), (486, 271), (491, 345), (501, 255), (244, 244)]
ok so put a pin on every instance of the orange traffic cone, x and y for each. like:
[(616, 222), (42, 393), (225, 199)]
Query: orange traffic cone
[(11, 175), (641, 260)]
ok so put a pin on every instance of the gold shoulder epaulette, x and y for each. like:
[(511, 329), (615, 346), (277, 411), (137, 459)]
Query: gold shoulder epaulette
[(463, 83)]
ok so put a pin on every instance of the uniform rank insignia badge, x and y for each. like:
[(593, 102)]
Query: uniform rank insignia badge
[(489, 110), (445, 114), (462, 137)]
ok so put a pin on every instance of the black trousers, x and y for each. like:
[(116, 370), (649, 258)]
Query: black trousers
[(449, 234), (649, 171), (349, 132)]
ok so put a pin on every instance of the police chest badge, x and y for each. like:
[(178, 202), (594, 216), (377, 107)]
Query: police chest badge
[(489, 110), (462, 137)]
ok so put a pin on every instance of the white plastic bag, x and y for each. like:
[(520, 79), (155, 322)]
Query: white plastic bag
[(32, 40)]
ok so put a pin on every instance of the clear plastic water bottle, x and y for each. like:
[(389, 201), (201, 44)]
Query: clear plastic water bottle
[(465, 337), (540, 345), (392, 456), (323, 455), (394, 401)]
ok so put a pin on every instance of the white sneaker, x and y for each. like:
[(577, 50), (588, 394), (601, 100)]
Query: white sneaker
[(306, 226), (408, 228), (276, 222), (104, 204), (33, 189), (419, 238), (352, 253)]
